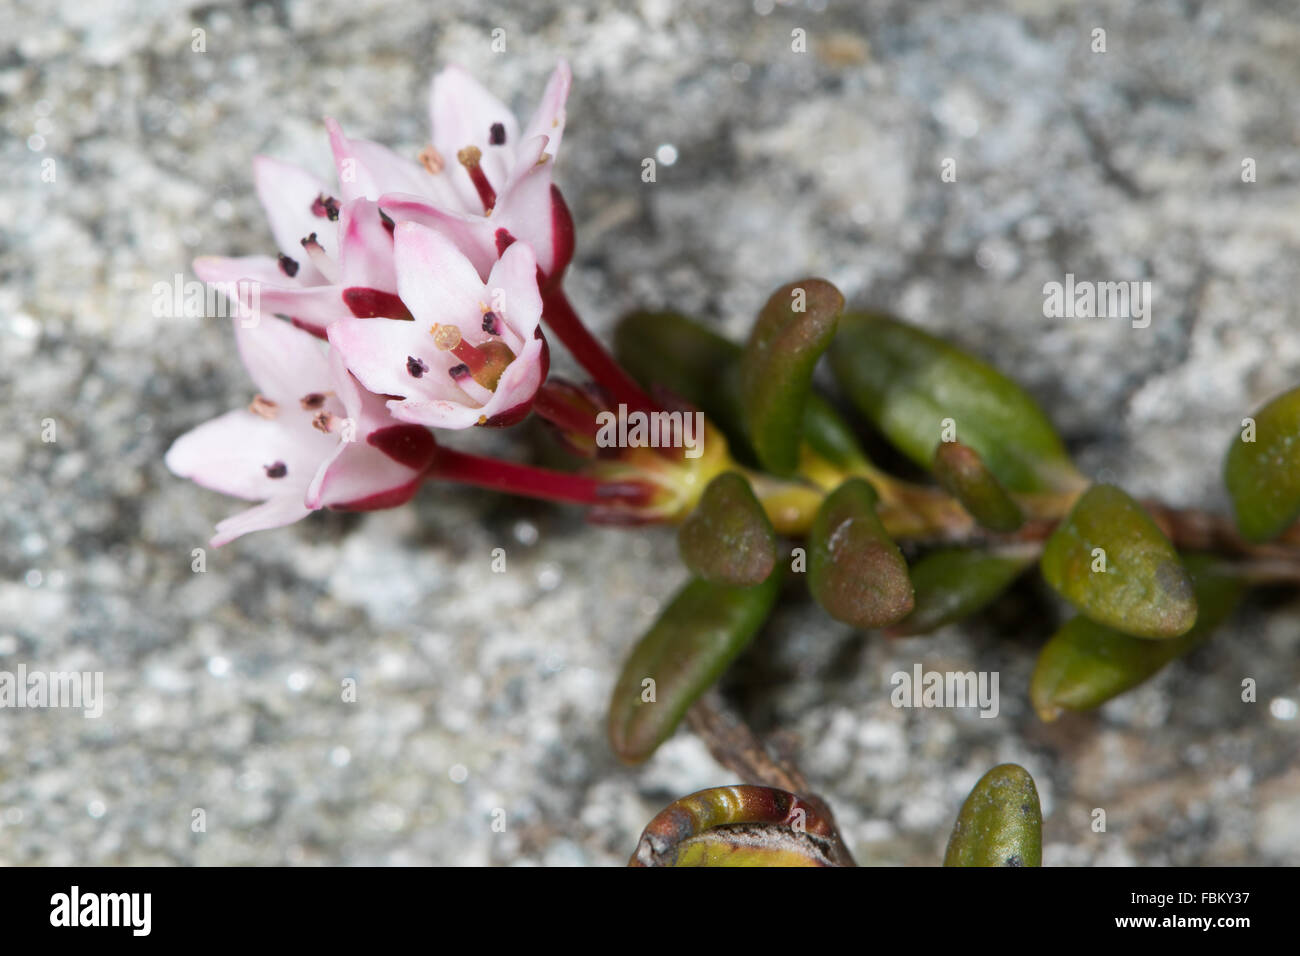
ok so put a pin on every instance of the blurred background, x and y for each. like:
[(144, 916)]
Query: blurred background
[(479, 691)]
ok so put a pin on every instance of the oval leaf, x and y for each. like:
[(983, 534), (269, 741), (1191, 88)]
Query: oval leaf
[(954, 583), (961, 472), (1000, 824), (908, 383), (791, 333), (728, 538), (1262, 469), (855, 571), (741, 826), (697, 636), (1086, 664), (1110, 561)]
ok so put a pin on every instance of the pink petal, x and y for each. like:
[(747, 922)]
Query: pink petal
[(525, 211), (435, 280), (549, 118), (276, 513), (284, 362), (367, 170), (376, 352), (365, 247), (472, 234), (462, 113), (231, 453), (515, 275), (288, 194)]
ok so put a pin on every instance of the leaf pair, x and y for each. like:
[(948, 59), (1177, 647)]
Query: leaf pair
[(1086, 664)]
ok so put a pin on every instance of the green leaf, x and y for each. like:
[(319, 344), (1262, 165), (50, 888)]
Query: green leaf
[(703, 629), (1263, 475), (1086, 664), (742, 826), (908, 383), (954, 583), (855, 571), (728, 538), (792, 331), (1110, 561), (1000, 824), (669, 350)]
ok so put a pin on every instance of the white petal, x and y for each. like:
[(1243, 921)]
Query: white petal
[(276, 513), (435, 280), (549, 118), (287, 194), (231, 453), (284, 362)]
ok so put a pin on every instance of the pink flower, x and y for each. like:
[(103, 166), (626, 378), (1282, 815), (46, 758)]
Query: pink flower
[(484, 183), (474, 354), (335, 260), (311, 438)]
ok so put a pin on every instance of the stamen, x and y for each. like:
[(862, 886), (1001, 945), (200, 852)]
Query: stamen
[(415, 367), (326, 207), (497, 134), (469, 158), (323, 422), (288, 266), (484, 363), (458, 373), (320, 258), (432, 160), (278, 470), (263, 407), (312, 401), (491, 323)]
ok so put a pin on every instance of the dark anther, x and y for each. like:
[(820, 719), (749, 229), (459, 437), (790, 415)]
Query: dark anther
[(459, 372), (288, 266), (278, 470), (415, 366), (312, 401), (491, 323), (497, 136)]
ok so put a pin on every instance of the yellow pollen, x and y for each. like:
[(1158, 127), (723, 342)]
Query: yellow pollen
[(446, 337)]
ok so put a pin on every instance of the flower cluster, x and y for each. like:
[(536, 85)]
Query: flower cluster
[(408, 298)]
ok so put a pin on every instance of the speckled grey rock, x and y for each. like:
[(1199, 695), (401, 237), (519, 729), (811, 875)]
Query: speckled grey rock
[(479, 692)]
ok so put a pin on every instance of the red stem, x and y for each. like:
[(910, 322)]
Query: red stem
[(526, 480), (559, 314)]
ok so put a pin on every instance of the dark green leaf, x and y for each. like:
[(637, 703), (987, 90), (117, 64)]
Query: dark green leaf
[(728, 538), (791, 333), (855, 571), (697, 636), (1263, 474), (1110, 561), (961, 472), (1086, 664), (908, 383), (954, 583), (1000, 824)]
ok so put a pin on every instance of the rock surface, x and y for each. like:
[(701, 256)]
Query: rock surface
[(481, 692)]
